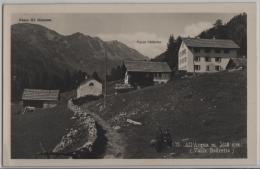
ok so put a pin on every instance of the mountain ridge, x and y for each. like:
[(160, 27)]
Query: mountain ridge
[(39, 54)]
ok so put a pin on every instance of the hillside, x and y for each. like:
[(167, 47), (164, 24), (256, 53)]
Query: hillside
[(160, 58), (235, 29), (39, 131), (40, 55), (209, 108)]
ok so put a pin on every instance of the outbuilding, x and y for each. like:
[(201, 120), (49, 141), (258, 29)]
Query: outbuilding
[(143, 73), (89, 87), (40, 98)]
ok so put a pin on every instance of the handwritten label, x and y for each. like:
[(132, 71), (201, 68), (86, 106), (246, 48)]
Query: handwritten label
[(148, 41), (34, 20)]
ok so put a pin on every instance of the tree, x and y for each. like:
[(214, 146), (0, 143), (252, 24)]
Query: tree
[(218, 23), (67, 81), (117, 73), (77, 77), (171, 43), (96, 76), (172, 52)]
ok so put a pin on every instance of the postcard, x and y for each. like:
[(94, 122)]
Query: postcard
[(129, 85)]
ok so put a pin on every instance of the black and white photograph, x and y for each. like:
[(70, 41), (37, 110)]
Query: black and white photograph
[(147, 85)]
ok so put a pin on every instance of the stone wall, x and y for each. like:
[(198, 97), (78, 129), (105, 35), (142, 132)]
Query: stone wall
[(84, 123)]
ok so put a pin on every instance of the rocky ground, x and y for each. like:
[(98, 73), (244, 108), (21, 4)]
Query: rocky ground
[(82, 135)]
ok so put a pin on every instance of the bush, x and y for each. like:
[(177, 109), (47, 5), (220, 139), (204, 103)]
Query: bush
[(180, 73)]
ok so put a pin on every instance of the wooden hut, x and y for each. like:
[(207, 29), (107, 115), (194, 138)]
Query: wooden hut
[(40, 98)]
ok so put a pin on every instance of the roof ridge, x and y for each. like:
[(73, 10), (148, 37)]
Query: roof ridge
[(40, 94), (148, 66), (144, 61), (213, 43), (207, 39), (42, 89)]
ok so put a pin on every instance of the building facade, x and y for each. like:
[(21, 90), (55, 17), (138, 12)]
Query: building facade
[(89, 87), (205, 55), (143, 73)]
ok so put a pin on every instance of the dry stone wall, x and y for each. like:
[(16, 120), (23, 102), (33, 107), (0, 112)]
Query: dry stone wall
[(85, 126)]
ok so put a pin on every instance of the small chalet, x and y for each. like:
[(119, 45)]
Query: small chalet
[(89, 87), (40, 98), (143, 73)]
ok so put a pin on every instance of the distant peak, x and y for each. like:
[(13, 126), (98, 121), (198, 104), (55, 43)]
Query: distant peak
[(78, 34), (97, 38), (114, 42), (29, 25)]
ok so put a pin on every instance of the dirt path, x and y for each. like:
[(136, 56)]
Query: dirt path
[(115, 144)]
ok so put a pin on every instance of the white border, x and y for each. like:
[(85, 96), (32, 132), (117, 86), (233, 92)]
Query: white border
[(163, 1)]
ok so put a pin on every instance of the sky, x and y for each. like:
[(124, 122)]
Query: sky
[(146, 32)]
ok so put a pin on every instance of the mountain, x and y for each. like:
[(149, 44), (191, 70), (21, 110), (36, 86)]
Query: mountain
[(160, 58), (235, 29), (40, 55)]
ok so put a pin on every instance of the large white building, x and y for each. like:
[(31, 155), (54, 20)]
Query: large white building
[(205, 55)]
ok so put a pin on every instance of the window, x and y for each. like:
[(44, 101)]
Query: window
[(196, 50), (207, 59), (197, 58), (217, 50), (218, 59), (226, 50), (217, 68), (183, 52), (158, 74), (196, 67), (184, 60), (207, 50), (207, 68), (91, 84)]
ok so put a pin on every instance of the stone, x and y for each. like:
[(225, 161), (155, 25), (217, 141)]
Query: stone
[(117, 127)]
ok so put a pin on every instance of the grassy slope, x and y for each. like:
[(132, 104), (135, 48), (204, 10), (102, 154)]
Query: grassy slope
[(208, 108), (45, 125)]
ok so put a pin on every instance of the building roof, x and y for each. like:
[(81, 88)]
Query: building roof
[(147, 66), (87, 80), (40, 94), (210, 43)]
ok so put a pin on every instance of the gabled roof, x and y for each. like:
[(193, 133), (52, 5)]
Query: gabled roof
[(210, 43), (147, 66), (40, 94), (87, 80)]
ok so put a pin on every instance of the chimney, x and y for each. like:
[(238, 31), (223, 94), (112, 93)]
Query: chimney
[(213, 38), (86, 77)]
